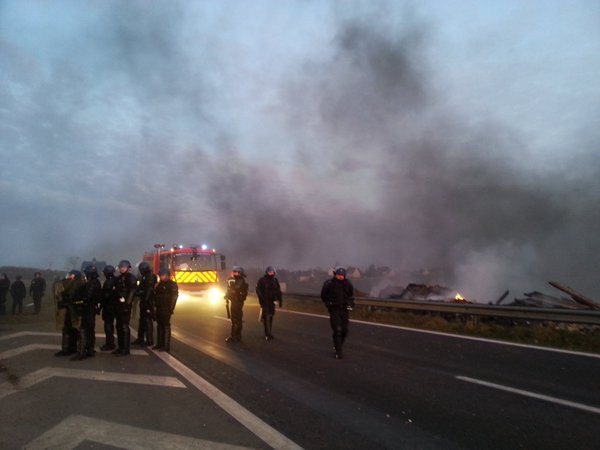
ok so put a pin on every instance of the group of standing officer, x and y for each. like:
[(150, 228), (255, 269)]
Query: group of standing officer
[(18, 292), (268, 292), (337, 293), (79, 300)]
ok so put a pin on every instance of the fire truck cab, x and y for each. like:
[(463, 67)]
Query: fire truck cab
[(193, 267)]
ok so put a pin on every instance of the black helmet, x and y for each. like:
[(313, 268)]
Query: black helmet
[(239, 269), (108, 270), (124, 263), (90, 270), (144, 267), (339, 270), (270, 269), (76, 273), (164, 271)]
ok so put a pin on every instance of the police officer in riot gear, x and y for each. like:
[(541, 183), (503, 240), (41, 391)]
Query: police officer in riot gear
[(70, 297), (165, 299), (4, 288), (237, 290), (125, 287), (145, 292), (268, 292), (37, 287), (109, 304), (86, 309), (338, 295)]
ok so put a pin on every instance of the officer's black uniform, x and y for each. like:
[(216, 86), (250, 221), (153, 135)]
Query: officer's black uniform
[(145, 292), (71, 298), (4, 288), (268, 292), (165, 299), (36, 291), (338, 296), (18, 293), (109, 304), (237, 290), (125, 290), (92, 297)]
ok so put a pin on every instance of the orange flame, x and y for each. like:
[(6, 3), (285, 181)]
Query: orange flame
[(459, 297)]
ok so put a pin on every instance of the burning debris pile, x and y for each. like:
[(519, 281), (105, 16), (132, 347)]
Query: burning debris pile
[(438, 293), (539, 299), (429, 293)]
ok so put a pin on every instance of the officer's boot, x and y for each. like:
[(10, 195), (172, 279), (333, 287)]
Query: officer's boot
[(268, 322), (120, 341), (81, 345), (73, 333), (238, 332), (91, 339), (160, 338), (167, 337), (64, 348), (109, 331), (231, 337), (149, 332), (141, 332), (271, 327), (126, 341), (337, 344)]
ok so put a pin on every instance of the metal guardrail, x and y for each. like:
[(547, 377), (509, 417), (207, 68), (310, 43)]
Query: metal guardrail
[(511, 312)]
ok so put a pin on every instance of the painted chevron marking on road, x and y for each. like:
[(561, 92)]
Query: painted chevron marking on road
[(40, 375), (257, 426), (32, 347), (26, 348), (546, 398), (74, 430), (26, 333)]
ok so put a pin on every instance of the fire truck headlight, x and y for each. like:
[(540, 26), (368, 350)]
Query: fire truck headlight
[(215, 295)]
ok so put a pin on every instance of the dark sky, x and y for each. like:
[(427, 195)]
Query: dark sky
[(305, 134)]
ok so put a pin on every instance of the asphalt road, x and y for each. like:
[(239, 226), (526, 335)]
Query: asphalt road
[(394, 388)]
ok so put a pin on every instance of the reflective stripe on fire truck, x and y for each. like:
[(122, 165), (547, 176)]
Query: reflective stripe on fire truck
[(196, 277)]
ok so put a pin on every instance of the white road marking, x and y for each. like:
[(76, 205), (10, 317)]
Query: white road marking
[(74, 430), (32, 347), (26, 333), (26, 348), (257, 426), (40, 375), (222, 318), (455, 336), (547, 398)]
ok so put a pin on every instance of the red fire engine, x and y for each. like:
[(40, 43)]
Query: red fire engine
[(194, 267)]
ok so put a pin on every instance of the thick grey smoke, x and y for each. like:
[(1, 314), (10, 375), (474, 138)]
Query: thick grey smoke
[(133, 124), (447, 194)]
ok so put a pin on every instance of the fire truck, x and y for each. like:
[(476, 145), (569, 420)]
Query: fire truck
[(193, 267)]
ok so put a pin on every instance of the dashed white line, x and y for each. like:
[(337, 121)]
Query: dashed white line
[(546, 398)]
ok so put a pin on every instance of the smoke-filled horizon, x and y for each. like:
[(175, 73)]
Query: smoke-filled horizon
[(305, 134)]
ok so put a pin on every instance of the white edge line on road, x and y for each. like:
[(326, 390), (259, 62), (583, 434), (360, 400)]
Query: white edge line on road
[(256, 425), (546, 398), (455, 336)]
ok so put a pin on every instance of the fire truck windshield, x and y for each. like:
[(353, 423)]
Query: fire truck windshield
[(194, 262)]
